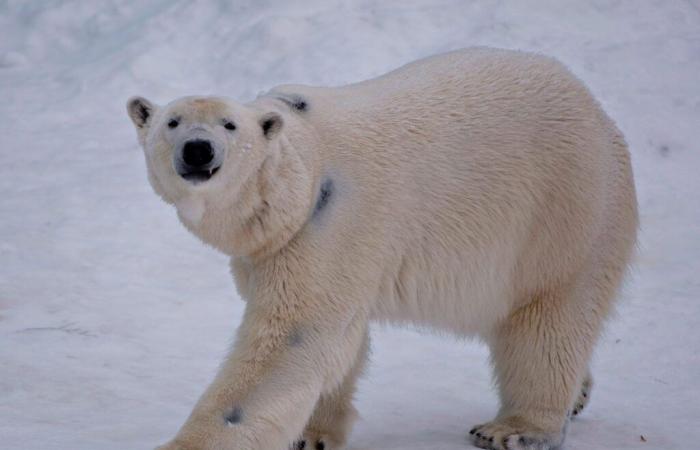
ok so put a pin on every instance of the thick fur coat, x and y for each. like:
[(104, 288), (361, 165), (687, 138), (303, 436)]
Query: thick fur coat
[(483, 192)]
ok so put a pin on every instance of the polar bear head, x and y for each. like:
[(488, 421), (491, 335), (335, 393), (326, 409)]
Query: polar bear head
[(230, 170)]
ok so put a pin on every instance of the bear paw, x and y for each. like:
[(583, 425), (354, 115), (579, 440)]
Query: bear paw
[(583, 397), (513, 434), (314, 440)]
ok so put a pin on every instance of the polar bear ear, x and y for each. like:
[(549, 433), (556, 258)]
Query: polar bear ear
[(271, 124), (140, 111)]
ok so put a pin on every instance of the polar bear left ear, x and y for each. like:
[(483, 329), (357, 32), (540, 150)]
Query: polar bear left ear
[(140, 111), (271, 124)]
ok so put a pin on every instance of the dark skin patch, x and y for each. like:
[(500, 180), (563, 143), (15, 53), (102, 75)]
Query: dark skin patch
[(295, 338), (267, 125), (324, 195), (144, 113), (233, 417), (296, 102)]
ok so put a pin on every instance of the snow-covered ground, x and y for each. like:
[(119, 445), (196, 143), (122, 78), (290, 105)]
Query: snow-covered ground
[(113, 318)]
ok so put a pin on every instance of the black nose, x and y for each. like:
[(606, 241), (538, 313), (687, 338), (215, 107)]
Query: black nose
[(197, 153)]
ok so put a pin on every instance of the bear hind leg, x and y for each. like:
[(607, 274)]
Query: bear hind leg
[(540, 356)]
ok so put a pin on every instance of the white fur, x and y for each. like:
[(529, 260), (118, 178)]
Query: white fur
[(190, 210)]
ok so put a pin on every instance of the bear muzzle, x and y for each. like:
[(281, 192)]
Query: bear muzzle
[(197, 161)]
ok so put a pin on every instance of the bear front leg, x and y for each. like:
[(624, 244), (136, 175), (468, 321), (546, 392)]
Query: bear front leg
[(334, 415), (294, 345)]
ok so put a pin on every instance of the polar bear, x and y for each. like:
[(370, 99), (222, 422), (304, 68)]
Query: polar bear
[(483, 192)]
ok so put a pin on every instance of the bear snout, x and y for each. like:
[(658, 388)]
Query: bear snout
[(196, 162), (197, 153)]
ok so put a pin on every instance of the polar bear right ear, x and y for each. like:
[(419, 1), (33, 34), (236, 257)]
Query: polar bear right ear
[(141, 112), (271, 124)]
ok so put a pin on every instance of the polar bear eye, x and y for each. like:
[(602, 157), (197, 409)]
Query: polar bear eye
[(173, 123), (229, 126)]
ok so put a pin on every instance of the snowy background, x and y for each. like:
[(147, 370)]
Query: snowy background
[(113, 318)]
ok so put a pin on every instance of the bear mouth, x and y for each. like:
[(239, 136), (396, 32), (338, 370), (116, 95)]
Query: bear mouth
[(199, 176)]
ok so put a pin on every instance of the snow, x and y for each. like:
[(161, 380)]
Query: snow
[(113, 318)]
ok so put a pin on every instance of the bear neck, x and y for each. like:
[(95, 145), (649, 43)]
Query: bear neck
[(275, 202)]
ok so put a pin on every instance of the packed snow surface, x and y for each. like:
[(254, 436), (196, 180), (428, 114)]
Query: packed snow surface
[(113, 318)]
